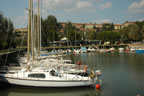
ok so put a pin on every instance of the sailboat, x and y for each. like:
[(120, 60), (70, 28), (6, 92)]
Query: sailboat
[(31, 76)]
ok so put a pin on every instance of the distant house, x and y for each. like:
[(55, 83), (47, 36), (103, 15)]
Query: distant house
[(81, 26), (99, 25), (22, 32), (89, 26), (127, 23), (117, 26)]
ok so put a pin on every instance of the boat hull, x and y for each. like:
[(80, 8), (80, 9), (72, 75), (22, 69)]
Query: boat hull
[(139, 51), (46, 83)]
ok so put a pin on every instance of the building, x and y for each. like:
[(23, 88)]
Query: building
[(127, 23), (117, 26), (81, 26), (21, 32)]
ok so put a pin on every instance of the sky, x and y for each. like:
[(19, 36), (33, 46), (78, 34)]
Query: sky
[(76, 11)]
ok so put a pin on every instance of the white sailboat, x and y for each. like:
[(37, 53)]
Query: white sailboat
[(43, 76)]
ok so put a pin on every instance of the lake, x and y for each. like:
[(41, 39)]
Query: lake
[(123, 75)]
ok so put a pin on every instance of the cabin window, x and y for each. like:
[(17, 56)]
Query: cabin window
[(53, 73), (37, 75), (84, 74)]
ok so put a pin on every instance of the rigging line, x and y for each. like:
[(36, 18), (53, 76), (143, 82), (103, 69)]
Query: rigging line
[(11, 39), (25, 15), (54, 24), (25, 22), (5, 39), (9, 48), (66, 41), (73, 57), (22, 41), (21, 44), (42, 34)]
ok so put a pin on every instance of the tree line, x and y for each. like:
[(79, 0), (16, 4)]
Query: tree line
[(133, 33), (7, 34), (51, 32)]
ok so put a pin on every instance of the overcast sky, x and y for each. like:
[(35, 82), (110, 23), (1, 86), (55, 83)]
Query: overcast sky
[(78, 11)]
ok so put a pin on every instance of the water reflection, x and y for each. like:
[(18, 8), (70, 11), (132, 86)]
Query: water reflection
[(122, 76), (122, 72), (21, 91)]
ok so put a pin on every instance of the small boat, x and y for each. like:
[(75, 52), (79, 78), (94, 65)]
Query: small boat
[(90, 49), (139, 51), (132, 49), (112, 49), (121, 49), (77, 51), (83, 50)]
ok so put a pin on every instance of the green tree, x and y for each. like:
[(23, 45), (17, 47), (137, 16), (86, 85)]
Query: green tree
[(6, 32), (141, 26), (71, 32), (109, 36), (91, 34), (142, 32), (50, 30), (134, 33), (124, 35), (82, 33), (107, 27)]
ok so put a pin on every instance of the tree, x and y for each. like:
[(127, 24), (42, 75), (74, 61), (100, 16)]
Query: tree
[(124, 35), (142, 32), (82, 33), (141, 26), (107, 27), (50, 30), (134, 33), (91, 34), (71, 32), (109, 36), (6, 32)]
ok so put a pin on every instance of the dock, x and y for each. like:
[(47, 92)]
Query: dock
[(78, 47), (11, 51)]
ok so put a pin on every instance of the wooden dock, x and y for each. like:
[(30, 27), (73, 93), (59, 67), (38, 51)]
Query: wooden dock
[(78, 47), (5, 52)]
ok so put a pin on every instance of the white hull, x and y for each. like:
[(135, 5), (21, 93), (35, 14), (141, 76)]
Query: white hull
[(47, 83), (46, 79)]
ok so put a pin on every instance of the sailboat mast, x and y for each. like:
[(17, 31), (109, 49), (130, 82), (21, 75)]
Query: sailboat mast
[(32, 32), (38, 23), (29, 32)]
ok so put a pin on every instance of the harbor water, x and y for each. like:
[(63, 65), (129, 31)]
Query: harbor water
[(123, 75)]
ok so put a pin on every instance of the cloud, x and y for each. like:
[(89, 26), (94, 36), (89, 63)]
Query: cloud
[(102, 21), (105, 5), (21, 21), (75, 5), (59, 4), (82, 6), (136, 7), (141, 19)]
